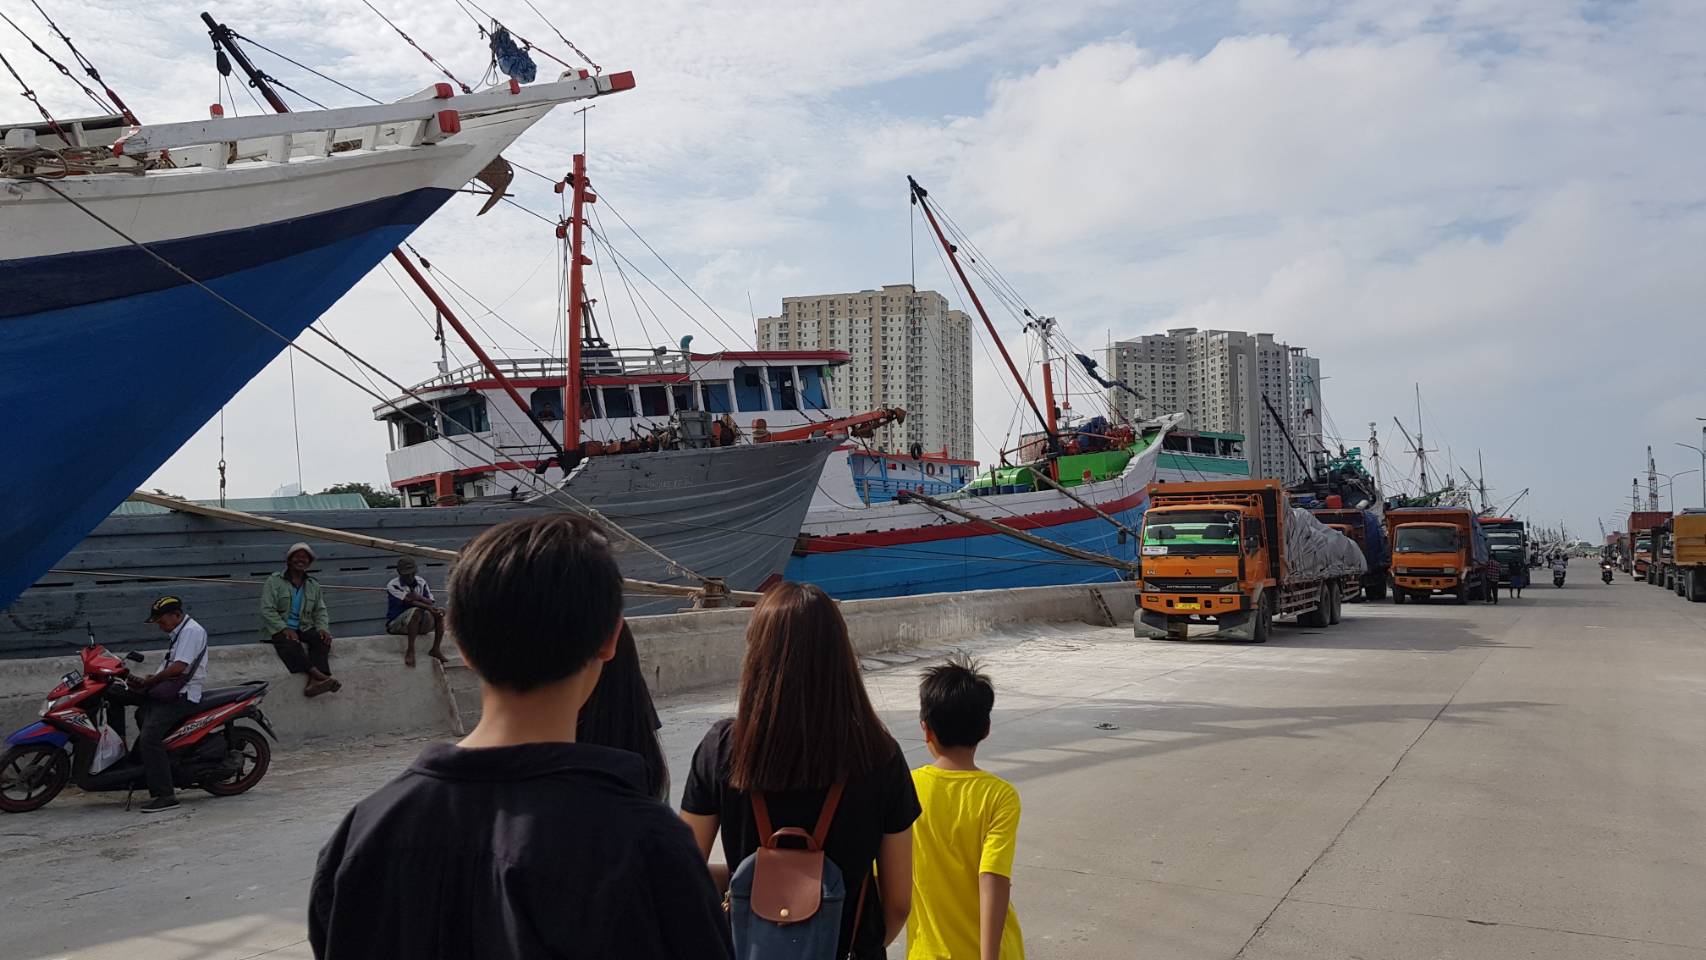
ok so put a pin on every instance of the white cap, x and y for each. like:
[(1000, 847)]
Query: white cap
[(301, 546)]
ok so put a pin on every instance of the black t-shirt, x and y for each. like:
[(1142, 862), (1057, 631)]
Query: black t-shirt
[(880, 802), (534, 851)]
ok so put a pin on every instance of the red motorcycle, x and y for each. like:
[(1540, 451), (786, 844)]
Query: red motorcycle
[(209, 749)]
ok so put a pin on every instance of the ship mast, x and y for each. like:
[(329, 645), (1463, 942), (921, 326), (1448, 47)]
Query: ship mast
[(577, 291), (919, 196)]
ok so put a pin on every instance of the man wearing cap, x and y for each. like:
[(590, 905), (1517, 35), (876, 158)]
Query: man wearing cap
[(295, 621), (169, 696), (409, 608)]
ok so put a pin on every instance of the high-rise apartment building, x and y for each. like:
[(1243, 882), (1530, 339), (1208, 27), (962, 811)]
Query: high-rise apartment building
[(909, 350), (1218, 379)]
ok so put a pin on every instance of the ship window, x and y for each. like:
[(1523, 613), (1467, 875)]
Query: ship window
[(749, 388), (654, 401), (465, 416), (783, 396), (618, 402), (717, 396), (547, 403), (811, 388), (684, 397)]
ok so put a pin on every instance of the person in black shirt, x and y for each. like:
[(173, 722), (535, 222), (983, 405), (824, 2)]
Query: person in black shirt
[(519, 842), (804, 722)]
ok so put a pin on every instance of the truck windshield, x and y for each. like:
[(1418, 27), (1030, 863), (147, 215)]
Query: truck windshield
[(1504, 539), (1191, 532), (1425, 540)]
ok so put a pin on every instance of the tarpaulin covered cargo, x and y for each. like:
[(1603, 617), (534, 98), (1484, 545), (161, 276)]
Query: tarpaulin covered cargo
[(1314, 551)]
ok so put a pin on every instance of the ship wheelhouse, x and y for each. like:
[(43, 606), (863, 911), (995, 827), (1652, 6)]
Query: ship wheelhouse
[(626, 395)]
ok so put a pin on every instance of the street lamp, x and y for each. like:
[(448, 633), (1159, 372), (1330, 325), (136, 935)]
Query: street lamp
[(1670, 484), (1702, 451)]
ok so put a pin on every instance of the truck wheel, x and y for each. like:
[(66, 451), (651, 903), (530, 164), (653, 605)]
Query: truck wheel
[(1462, 593), (1336, 612), (1398, 596), (1316, 617), (1696, 585), (1264, 620)]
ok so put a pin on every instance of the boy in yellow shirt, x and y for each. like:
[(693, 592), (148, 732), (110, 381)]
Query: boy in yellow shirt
[(963, 843)]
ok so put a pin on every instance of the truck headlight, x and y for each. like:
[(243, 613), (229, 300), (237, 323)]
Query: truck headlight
[(1400, 569), (1232, 587), (1447, 569)]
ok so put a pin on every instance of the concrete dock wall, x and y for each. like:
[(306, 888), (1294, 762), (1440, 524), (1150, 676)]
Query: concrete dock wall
[(382, 698)]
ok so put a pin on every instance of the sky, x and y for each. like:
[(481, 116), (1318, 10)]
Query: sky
[(1501, 202)]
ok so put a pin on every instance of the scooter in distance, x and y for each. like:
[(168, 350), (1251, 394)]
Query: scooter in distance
[(1605, 572), (208, 749), (1558, 578)]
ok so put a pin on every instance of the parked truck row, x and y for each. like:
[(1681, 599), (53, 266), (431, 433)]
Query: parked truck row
[(1238, 555), (1676, 554)]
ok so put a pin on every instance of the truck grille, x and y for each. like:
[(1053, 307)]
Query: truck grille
[(1187, 584), (1425, 572)]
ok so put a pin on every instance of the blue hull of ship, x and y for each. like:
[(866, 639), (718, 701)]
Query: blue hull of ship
[(983, 562), (109, 362)]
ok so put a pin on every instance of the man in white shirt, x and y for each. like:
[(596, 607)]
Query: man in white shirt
[(410, 609), (173, 693)]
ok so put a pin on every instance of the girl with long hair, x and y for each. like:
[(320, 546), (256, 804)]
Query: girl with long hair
[(804, 723)]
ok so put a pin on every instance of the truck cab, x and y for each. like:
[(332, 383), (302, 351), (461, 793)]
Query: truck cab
[(1199, 559), (1428, 558)]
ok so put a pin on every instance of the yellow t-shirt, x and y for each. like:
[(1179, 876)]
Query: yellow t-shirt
[(970, 825)]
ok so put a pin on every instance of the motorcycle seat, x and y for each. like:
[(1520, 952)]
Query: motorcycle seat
[(220, 696)]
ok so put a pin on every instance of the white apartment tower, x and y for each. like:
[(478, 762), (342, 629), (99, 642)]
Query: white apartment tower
[(1218, 379), (909, 350)]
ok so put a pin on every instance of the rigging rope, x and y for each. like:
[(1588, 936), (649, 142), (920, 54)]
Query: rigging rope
[(595, 67), (88, 67), (410, 40), (64, 71), (30, 95), (261, 46)]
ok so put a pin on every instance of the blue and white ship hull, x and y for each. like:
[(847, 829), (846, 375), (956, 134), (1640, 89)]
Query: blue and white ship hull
[(903, 549), (110, 359)]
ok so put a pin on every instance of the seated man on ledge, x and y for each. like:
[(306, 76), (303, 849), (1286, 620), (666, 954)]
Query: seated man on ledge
[(295, 621), (409, 608)]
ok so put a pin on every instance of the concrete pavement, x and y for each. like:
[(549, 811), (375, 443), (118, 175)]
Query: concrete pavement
[(1520, 780)]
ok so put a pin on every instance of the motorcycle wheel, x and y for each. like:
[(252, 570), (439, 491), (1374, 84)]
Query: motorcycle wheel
[(31, 775), (255, 755)]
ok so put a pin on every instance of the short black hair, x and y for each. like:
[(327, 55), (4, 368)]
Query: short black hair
[(955, 700), (531, 600)]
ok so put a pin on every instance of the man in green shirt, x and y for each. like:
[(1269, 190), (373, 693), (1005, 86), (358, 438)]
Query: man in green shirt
[(295, 621)]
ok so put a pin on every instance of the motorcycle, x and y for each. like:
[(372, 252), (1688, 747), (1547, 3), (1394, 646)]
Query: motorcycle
[(1557, 578), (208, 749), (1605, 572)]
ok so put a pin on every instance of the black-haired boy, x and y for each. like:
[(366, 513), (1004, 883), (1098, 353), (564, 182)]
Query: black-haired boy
[(519, 842), (963, 843)]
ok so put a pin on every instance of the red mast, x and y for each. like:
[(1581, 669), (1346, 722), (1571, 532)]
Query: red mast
[(577, 292), (918, 197)]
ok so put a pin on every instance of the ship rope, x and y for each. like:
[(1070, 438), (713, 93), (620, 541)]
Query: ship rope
[(64, 71), (88, 67), (410, 41), (560, 495), (30, 95), (303, 66)]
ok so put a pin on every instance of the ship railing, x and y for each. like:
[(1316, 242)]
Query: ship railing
[(430, 116), (595, 362)]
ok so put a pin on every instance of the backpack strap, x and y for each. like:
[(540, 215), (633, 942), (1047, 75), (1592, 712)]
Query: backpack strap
[(820, 833), (858, 917)]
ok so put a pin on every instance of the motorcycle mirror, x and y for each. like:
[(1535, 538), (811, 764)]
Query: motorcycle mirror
[(133, 656)]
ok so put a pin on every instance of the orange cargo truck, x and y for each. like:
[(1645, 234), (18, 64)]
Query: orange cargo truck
[(1438, 550), (1235, 555)]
